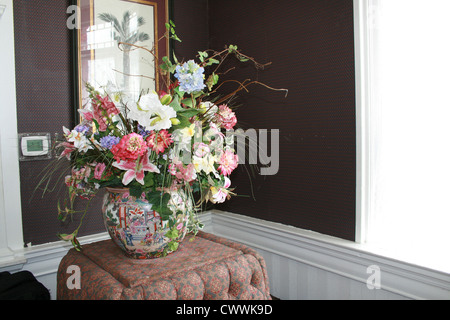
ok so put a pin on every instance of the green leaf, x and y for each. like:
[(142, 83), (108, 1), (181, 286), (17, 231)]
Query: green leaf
[(212, 61), (76, 244), (173, 245), (202, 55), (167, 65), (171, 29), (175, 37), (189, 112), (148, 180), (172, 234), (164, 67), (175, 104), (159, 203), (232, 48), (188, 102), (212, 81), (114, 181), (135, 190), (66, 237), (166, 60), (179, 92), (184, 122)]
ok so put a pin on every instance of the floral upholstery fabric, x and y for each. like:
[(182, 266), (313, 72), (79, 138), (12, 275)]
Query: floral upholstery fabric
[(205, 267)]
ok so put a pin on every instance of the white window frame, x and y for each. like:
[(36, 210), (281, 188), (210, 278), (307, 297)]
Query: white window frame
[(362, 95), (11, 234), (365, 142)]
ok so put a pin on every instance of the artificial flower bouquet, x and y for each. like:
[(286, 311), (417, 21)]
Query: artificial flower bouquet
[(179, 138)]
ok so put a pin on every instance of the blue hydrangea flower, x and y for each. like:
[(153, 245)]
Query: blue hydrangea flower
[(109, 141), (142, 131), (82, 128), (190, 76)]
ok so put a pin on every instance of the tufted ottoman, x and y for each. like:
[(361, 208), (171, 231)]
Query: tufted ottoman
[(204, 267)]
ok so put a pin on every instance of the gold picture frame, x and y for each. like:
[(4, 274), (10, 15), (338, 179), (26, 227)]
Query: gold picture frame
[(112, 44)]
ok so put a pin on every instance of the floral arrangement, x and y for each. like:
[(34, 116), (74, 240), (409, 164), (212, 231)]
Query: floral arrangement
[(175, 139)]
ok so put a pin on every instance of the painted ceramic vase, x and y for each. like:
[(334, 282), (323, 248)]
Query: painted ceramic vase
[(138, 230)]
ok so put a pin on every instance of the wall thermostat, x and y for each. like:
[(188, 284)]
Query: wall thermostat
[(35, 146)]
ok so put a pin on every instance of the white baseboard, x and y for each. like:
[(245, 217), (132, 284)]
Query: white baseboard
[(301, 264)]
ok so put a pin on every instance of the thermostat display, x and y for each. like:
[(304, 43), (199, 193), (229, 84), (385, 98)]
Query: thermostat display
[(35, 145)]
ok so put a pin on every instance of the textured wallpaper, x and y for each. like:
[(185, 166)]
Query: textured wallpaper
[(45, 104), (311, 46)]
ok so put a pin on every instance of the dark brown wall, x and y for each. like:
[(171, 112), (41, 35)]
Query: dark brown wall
[(44, 104), (310, 44), (191, 20)]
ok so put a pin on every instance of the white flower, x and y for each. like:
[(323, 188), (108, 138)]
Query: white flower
[(151, 113), (220, 194), (183, 137), (205, 164), (80, 141), (214, 138)]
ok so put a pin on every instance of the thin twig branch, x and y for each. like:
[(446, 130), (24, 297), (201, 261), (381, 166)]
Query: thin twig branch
[(133, 75)]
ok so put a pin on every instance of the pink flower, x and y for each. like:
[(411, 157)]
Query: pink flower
[(225, 117), (103, 109), (87, 115), (103, 104), (98, 171), (130, 148), (77, 182), (68, 148), (135, 169), (188, 173), (201, 149), (219, 195), (102, 122), (228, 162), (159, 141), (181, 172)]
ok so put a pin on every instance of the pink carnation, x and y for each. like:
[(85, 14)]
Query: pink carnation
[(158, 142), (225, 117), (228, 162), (129, 148)]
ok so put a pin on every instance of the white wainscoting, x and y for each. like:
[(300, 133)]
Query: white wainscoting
[(301, 264), (307, 265)]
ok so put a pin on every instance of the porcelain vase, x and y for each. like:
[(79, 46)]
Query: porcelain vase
[(138, 230)]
